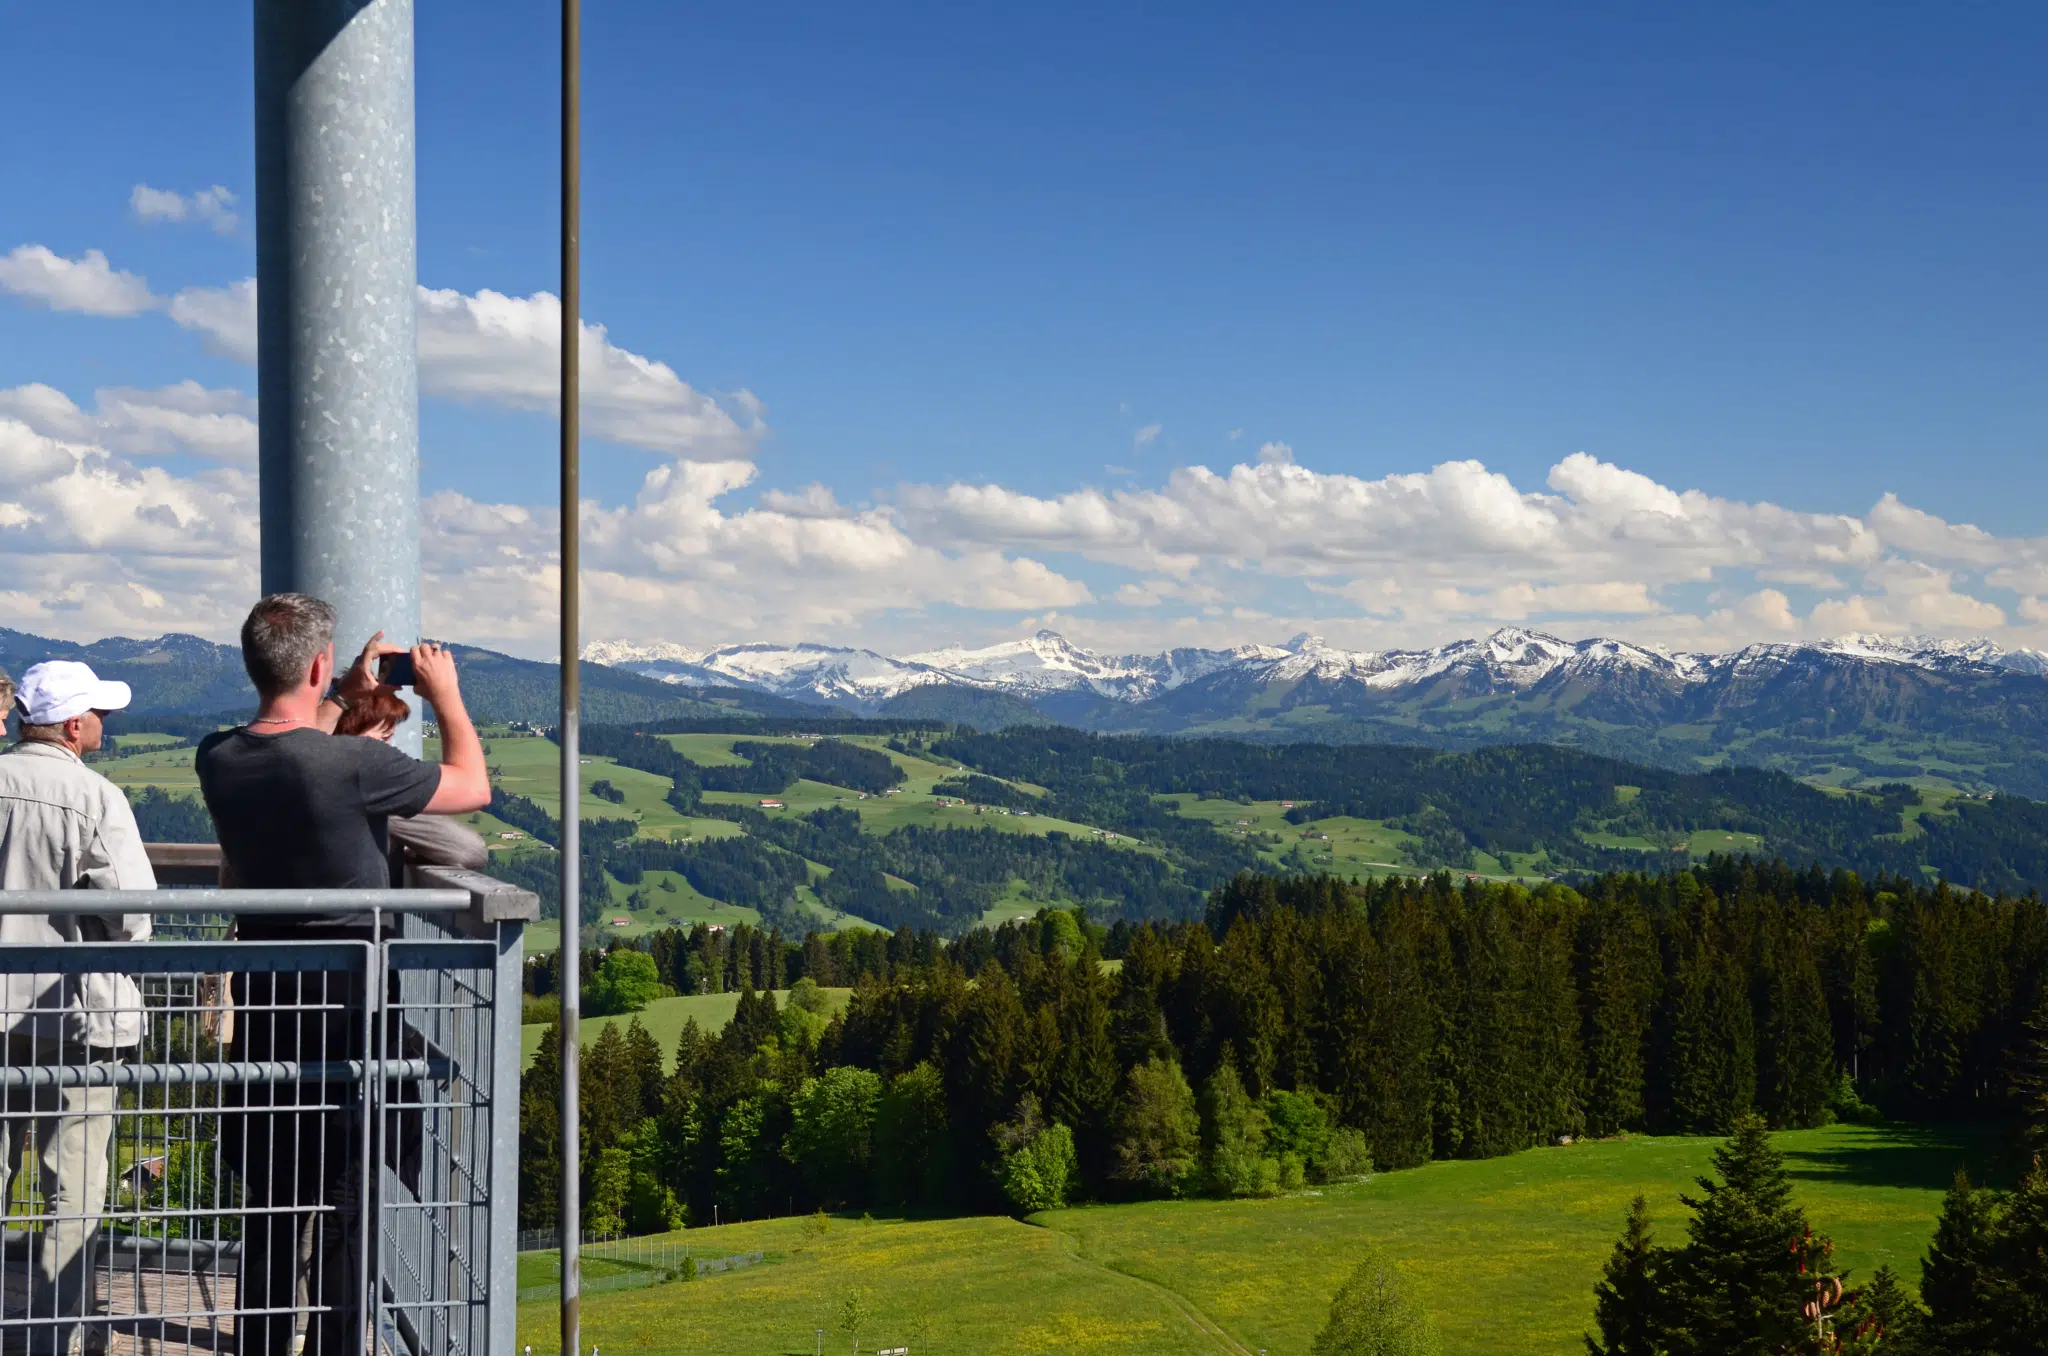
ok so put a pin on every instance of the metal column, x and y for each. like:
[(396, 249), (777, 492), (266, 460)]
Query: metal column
[(336, 315), (570, 958)]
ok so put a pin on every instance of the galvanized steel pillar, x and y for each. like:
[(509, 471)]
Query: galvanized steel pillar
[(336, 314)]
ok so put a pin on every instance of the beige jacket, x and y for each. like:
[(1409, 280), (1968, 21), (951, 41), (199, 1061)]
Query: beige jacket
[(65, 827)]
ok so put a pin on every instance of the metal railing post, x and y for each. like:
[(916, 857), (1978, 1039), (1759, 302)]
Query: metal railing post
[(571, 954)]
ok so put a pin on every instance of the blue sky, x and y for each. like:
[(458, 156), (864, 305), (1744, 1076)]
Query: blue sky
[(999, 283)]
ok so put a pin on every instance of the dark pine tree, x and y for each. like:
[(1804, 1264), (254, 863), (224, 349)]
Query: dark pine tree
[(1880, 1316), (1708, 1043), (1796, 1049), (1749, 1263), (1618, 977), (1628, 1301), (540, 1135), (1957, 1276), (2018, 1293)]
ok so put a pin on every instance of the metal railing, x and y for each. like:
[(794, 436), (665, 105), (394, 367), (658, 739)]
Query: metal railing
[(288, 1125)]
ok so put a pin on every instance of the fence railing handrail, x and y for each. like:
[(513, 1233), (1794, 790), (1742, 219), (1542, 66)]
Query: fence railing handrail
[(223, 900), (188, 880)]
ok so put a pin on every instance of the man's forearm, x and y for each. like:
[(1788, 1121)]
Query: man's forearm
[(462, 753)]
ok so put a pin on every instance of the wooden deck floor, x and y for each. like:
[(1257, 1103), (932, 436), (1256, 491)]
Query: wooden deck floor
[(181, 1311)]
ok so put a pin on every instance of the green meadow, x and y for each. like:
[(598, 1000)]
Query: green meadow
[(1503, 1253)]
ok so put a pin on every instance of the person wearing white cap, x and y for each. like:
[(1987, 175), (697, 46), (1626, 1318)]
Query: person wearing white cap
[(65, 827)]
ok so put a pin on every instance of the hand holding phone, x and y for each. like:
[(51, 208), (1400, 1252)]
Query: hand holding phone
[(395, 670)]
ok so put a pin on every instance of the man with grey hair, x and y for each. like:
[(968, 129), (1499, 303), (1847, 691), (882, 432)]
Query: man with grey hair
[(298, 807), (65, 827)]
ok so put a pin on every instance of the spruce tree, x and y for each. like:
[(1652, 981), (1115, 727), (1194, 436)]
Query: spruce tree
[(2018, 1289), (1628, 1302), (540, 1134), (1797, 1047), (1620, 972), (1750, 1263), (2030, 1077), (1879, 1317), (1708, 1045), (1956, 1277)]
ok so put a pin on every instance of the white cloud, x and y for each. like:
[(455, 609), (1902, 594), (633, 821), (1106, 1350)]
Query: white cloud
[(506, 351), (92, 544), (187, 417), (95, 540), (1453, 520), (209, 206), (491, 349), (225, 315), (1911, 596), (799, 564), (93, 531), (87, 284)]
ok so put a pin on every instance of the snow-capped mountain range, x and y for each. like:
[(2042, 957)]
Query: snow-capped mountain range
[(1045, 665)]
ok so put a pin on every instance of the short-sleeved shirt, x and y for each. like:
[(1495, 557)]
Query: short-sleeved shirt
[(306, 810)]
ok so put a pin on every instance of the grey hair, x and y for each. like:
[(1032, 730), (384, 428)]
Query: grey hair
[(284, 634)]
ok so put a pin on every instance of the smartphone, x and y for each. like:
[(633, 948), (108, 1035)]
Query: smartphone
[(395, 670)]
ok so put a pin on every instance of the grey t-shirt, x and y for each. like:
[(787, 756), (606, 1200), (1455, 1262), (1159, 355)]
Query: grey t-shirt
[(306, 810)]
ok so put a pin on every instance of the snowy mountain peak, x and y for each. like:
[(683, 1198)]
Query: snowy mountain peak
[(623, 653), (1511, 659)]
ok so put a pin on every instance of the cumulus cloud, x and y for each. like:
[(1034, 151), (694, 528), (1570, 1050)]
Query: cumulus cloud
[(483, 347), (87, 284), (225, 315), (502, 350), (795, 564), (97, 524), (188, 418), (488, 348), (1452, 520), (98, 539), (209, 206), (93, 544)]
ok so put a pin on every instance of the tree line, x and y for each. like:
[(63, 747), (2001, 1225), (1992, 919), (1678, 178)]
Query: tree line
[(1305, 1026)]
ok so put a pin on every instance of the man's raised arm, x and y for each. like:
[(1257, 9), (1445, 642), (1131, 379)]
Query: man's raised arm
[(465, 781)]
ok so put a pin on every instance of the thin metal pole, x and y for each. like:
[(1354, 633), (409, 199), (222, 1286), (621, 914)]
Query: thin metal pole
[(571, 957)]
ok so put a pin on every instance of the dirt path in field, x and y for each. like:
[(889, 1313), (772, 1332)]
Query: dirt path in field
[(1199, 1321)]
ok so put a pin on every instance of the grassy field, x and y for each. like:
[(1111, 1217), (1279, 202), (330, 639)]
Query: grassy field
[(168, 767), (664, 1019), (1339, 844), (983, 1285), (1504, 1253)]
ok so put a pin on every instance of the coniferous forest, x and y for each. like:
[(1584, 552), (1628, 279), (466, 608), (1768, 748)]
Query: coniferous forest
[(1303, 1029)]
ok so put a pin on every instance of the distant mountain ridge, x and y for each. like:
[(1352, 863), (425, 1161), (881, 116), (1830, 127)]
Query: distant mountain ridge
[(186, 675), (1047, 662), (1859, 708)]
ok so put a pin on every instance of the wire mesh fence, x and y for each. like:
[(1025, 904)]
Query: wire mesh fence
[(260, 1146)]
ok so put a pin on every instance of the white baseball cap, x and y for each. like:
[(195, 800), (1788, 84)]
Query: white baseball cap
[(57, 689)]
